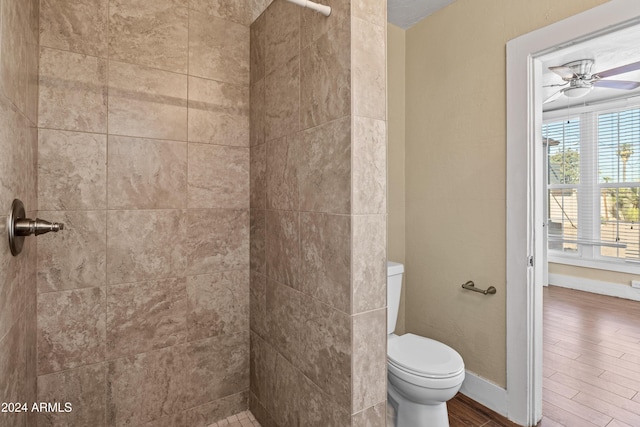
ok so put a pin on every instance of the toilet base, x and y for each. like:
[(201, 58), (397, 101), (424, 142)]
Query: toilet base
[(412, 414)]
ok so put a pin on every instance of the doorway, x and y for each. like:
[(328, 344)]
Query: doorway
[(525, 192)]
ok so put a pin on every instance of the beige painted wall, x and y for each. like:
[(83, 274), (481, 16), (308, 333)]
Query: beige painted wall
[(396, 60), (593, 274), (456, 171)]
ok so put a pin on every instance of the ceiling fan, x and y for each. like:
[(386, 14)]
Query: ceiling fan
[(577, 74)]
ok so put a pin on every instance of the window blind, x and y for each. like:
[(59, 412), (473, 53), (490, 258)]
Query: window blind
[(562, 139), (593, 184), (619, 180)]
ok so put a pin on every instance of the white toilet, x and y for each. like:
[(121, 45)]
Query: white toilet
[(423, 373)]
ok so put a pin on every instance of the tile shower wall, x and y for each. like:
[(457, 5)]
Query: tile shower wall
[(318, 213), (143, 301), (18, 156)]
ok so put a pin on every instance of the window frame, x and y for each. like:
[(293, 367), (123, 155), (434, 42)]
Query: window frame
[(589, 256)]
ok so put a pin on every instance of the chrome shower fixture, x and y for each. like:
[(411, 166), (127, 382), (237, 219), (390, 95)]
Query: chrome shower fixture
[(18, 227)]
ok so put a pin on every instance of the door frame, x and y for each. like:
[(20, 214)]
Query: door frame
[(525, 195)]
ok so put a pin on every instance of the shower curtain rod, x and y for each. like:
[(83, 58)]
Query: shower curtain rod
[(325, 10)]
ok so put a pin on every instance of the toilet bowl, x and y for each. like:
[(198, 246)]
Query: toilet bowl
[(423, 373)]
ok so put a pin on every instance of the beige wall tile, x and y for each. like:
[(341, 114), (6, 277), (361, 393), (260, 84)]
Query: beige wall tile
[(283, 318), (284, 388), (374, 416), (325, 258), (282, 173), (154, 34), (258, 304), (217, 240), (368, 43), (13, 370), (259, 412), (75, 25), (257, 54), (313, 28), (369, 385), (218, 304), (218, 112), (281, 34), (146, 316), (72, 170), (373, 11), (147, 386), (232, 10), (258, 7), (319, 408), (206, 414), (258, 241), (258, 193), (369, 166), (369, 263), (325, 77), (83, 387), (218, 176), (325, 348), (75, 257), (18, 144), (73, 91), (218, 49), (14, 44), (282, 100), (282, 247), (324, 172), (28, 187), (262, 365), (18, 176), (147, 173), (147, 102), (33, 16), (217, 367), (143, 245), (257, 113), (33, 79), (71, 329), (12, 289)]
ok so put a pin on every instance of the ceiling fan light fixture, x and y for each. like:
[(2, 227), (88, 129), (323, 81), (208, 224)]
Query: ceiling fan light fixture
[(577, 92)]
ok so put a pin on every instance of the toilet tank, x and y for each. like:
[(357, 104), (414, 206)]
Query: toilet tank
[(394, 288)]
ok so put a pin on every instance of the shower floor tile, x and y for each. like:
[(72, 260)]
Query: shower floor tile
[(243, 419)]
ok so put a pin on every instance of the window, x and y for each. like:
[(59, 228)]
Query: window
[(593, 186)]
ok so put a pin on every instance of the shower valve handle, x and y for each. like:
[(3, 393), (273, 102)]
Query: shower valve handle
[(19, 227), (28, 226)]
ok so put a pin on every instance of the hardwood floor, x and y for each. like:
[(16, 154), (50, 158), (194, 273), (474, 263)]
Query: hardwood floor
[(464, 412), (591, 360), (591, 365)]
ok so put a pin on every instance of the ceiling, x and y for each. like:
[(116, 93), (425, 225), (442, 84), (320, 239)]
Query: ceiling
[(608, 51), (405, 13)]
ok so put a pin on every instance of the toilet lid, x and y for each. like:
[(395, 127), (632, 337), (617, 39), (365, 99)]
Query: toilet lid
[(424, 356)]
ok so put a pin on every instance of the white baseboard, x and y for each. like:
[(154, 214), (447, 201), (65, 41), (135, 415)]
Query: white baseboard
[(595, 286), (485, 393)]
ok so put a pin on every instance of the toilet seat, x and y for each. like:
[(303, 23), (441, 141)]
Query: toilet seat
[(423, 361)]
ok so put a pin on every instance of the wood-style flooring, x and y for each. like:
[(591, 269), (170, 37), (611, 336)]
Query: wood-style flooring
[(591, 365), (464, 412), (591, 360)]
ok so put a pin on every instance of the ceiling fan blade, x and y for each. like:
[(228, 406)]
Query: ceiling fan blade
[(617, 84), (553, 97), (619, 70), (564, 72)]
